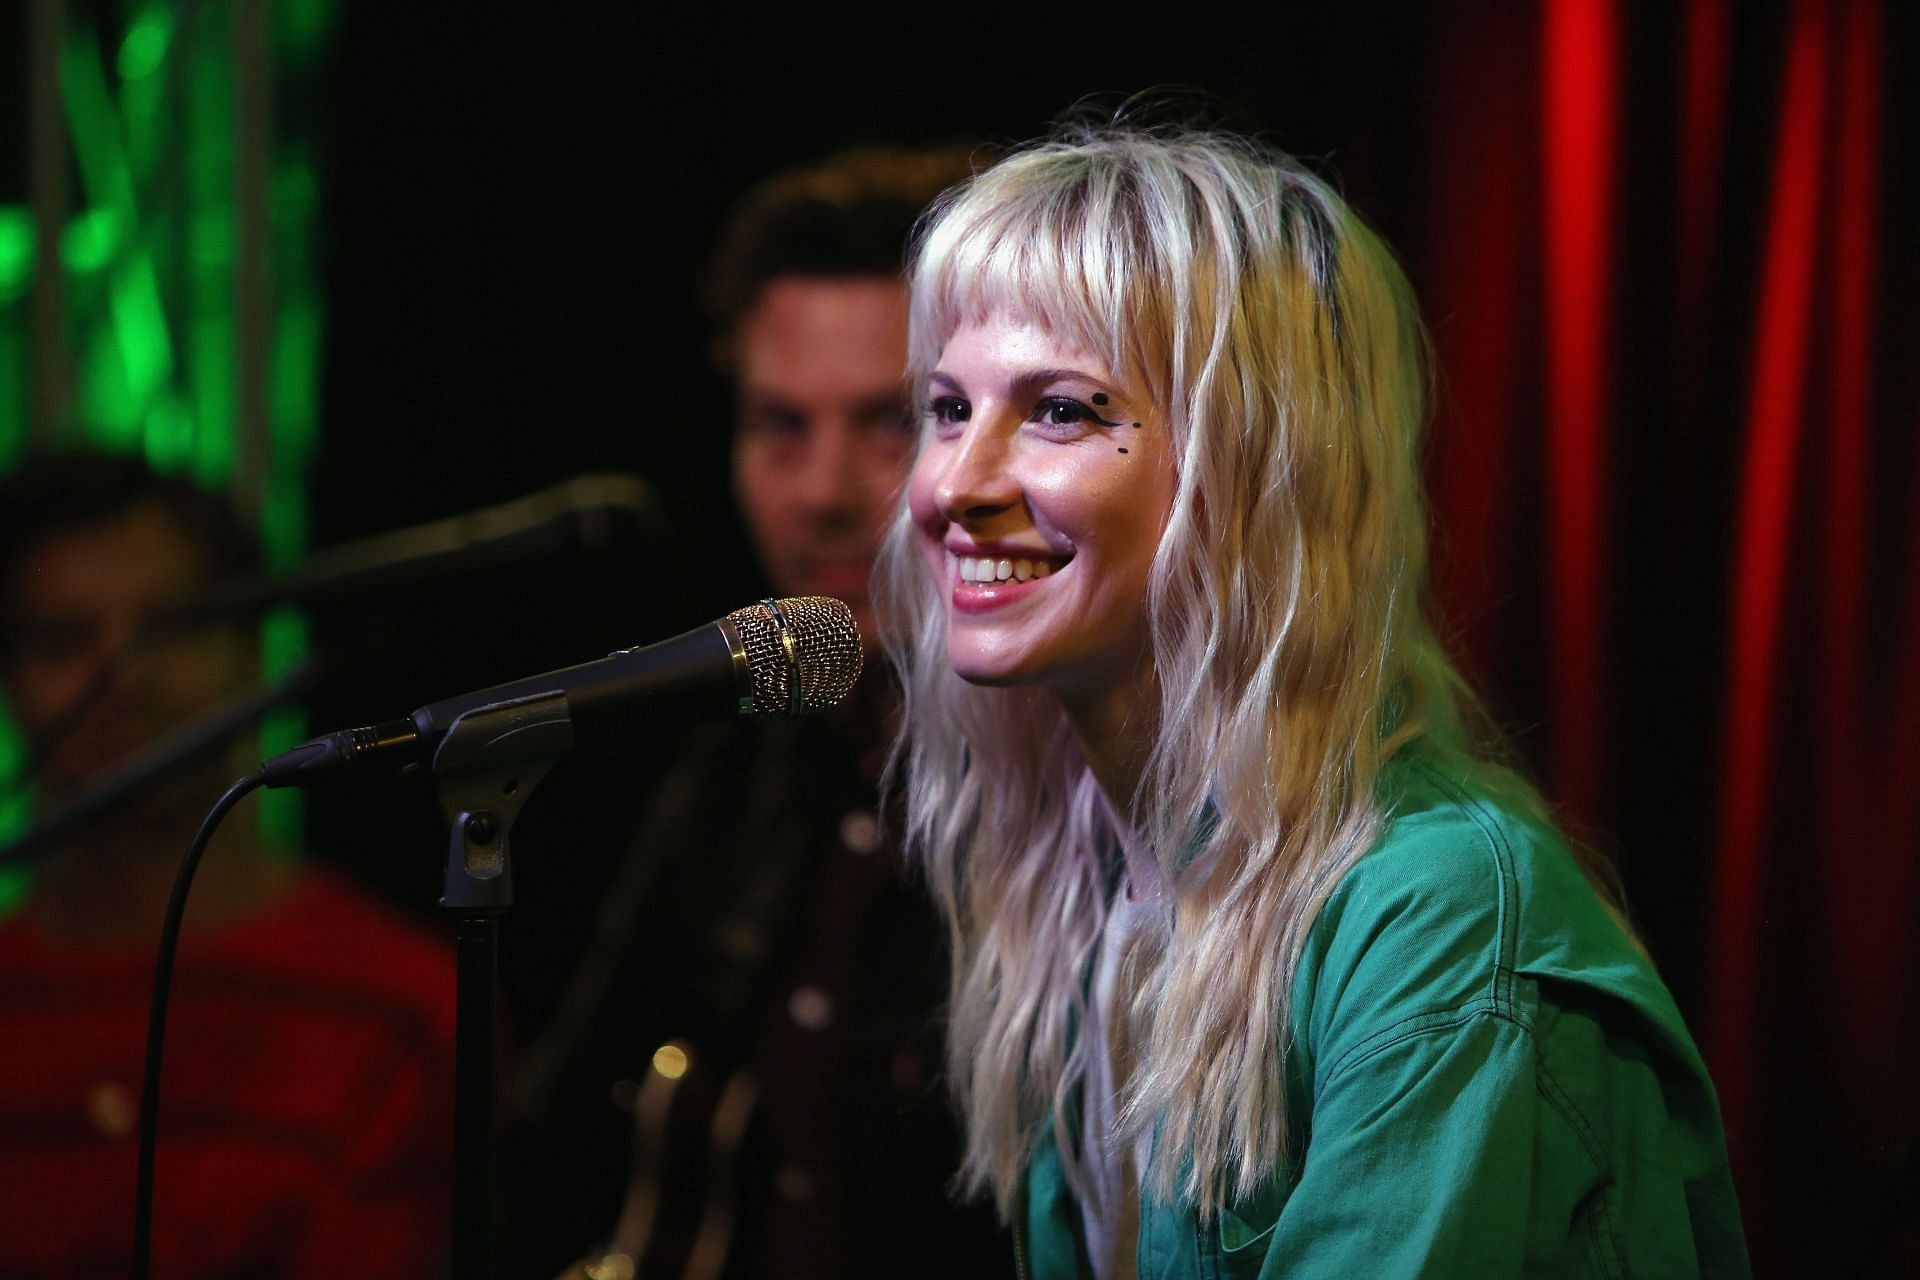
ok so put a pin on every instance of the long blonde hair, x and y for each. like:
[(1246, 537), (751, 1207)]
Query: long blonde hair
[(1281, 341)]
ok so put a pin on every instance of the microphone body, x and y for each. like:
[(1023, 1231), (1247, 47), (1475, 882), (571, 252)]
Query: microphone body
[(779, 657), (695, 676)]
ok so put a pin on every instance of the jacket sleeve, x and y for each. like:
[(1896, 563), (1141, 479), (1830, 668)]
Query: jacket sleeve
[(1462, 1107), (1420, 1161), (1416, 1098)]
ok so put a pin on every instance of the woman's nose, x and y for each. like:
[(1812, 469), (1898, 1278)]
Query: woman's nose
[(976, 479)]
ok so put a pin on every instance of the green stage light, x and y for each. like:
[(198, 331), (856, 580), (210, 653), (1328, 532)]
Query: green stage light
[(145, 47), (149, 261), (16, 252)]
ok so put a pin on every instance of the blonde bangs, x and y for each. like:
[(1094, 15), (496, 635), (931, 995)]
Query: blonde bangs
[(1062, 259)]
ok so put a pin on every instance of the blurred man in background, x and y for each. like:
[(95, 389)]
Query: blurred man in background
[(762, 988), (812, 312), (306, 1130)]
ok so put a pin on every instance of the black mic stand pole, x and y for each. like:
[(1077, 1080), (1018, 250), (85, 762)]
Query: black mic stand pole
[(486, 766)]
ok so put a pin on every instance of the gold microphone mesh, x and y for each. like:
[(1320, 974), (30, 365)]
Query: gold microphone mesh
[(804, 652)]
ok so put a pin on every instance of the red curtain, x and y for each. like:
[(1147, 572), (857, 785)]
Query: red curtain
[(1670, 264)]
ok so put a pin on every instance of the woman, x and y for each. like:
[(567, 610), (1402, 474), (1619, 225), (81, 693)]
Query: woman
[(1262, 963)]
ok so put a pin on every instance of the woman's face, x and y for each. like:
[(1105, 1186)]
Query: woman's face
[(1039, 498)]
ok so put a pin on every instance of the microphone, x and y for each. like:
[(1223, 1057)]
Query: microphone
[(785, 657), (577, 512)]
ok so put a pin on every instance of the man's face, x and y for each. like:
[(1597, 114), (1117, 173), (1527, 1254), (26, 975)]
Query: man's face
[(79, 595), (823, 439)]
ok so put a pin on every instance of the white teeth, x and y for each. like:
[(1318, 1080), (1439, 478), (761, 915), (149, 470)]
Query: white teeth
[(985, 570)]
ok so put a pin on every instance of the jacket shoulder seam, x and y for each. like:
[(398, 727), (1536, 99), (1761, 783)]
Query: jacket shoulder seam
[(1418, 1024), (1600, 1226), (1506, 920)]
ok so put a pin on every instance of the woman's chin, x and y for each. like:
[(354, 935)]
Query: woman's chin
[(988, 679), (990, 671)]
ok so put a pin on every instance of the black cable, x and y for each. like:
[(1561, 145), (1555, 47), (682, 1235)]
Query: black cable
[(157, 1019)]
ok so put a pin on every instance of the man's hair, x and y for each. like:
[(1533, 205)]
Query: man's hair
[(852, 214), (66, 492)]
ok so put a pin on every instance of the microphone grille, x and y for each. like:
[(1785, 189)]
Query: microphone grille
[(804, 653)]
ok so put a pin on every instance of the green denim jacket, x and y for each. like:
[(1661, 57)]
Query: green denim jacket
[(1488, 1079)]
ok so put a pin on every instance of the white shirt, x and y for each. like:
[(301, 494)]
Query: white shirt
[(1110, 1210)]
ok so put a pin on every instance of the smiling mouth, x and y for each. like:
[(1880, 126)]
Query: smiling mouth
[(986, 571)]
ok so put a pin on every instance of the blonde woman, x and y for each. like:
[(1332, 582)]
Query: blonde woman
[(1262, 964)]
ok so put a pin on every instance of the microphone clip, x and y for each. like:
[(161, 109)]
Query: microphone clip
[(485, 768)]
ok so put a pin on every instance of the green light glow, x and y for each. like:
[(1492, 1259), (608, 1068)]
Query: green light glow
[(169, 434), (16, 371), (90, 242), (13, 754), (292, 398), (15, 374), (15, 811), (294, 193), (209, 268), (104, 398), (301, 28), (16, 252), (140, 318), (145, 47), (283, 646), (143, 55), (149, 291), (283, 533)]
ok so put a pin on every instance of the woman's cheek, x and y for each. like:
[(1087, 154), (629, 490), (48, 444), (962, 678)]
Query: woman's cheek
[(930, 527), (923, 483)]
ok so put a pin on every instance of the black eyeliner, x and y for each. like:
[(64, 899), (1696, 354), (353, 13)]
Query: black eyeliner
[(1084, 408)]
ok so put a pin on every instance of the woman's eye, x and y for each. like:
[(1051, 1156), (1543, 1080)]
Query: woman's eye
[(948, 409), (1059, 411)]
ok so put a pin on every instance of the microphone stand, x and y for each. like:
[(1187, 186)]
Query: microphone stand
[(486, 766)]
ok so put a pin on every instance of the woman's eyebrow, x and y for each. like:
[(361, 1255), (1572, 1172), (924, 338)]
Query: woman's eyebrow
[(1035, 379), (1027, 381)]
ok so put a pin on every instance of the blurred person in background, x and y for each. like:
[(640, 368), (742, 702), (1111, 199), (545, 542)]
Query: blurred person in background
[(306, 1129), (762, 990)]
